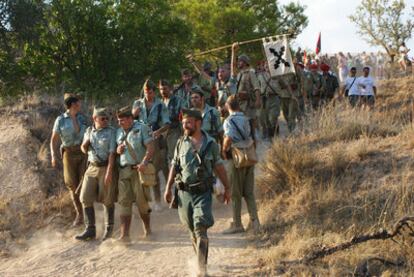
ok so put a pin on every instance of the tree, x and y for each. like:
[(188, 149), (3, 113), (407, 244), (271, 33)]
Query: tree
[(218, 22), (381, 23)]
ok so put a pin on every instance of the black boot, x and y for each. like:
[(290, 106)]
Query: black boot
[(202, 255), (109, 222), (90, 230)]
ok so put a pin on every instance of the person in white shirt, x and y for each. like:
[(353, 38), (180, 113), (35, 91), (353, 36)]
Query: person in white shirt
[(350, 88), (403, 50), (367, 89)]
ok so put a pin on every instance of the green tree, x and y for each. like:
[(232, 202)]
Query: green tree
[(218, 22), (381, 23)]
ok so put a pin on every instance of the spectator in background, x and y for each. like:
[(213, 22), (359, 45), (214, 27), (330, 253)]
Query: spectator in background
[(403, 50), (367, 88), (342, 67), (299, 55)]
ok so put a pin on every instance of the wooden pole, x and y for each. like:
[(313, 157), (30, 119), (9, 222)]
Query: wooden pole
[(230, 45)]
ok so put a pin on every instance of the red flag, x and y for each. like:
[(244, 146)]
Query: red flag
[(318, 44)]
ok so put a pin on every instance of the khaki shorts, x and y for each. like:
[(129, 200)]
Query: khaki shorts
[(131, 190), (74, 166), (94, 188)]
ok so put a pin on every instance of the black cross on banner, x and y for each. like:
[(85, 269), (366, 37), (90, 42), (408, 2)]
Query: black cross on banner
[(279, 57)]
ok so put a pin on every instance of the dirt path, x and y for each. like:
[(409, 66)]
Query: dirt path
[(169, 253)]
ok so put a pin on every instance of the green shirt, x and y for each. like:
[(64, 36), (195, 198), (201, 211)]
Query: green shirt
[(64, 127), (225, 89), (248, 82), (102, 143), (186, 158), (138, 138), (211, 121), (268, 85), (156, 116), (186, 94)]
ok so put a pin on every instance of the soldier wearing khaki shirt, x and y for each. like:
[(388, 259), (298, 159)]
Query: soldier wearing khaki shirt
[(151, 110), (69, 127), (136, 148), (248, 86), (98, 182)]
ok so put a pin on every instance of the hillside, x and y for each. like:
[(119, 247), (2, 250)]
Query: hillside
[(347, 173)]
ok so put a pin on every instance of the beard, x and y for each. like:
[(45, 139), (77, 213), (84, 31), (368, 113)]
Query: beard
[(189, 132)]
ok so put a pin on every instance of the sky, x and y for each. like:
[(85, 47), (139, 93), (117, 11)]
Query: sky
[(330, 17)]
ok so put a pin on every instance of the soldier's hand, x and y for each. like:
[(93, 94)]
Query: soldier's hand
[(141, 167), (235, 46), (120, 149), (168, 196), (227, 196), (156, 134)]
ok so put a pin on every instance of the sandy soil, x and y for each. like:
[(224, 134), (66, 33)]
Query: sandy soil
[(168, 253)]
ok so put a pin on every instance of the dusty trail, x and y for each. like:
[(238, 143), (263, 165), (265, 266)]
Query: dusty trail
[(53, 252), (169, 253)]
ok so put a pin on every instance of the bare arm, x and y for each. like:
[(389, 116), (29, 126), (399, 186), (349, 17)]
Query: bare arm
[(85, 146), (234, 48), (200, 70), (375, 90), (53, 147), (110, 169), (168, 186)]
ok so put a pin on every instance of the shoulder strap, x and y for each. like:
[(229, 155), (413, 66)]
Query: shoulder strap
[(352, 83), (238, 129), (212, 120), (268, 84), (238, 81)]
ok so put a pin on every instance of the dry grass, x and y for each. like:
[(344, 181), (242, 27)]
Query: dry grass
[(346, 173)]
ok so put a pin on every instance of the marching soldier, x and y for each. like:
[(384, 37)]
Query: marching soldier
[(225, 86), (211, 118), (187, 85), (206, 80), (98, 183), (136, 149), (70, 127), (151, 110), (314, 79), (237, 132), (288, 99), (196, 157), (330, 84), (271, 107), (174, 104), (248, 87)]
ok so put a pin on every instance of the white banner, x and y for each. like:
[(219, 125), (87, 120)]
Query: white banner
[(279, 58)]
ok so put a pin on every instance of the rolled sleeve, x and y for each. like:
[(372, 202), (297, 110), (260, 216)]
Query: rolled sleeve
[(56, 126)]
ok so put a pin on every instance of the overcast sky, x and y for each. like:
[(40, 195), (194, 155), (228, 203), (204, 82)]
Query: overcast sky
[(330, 17)]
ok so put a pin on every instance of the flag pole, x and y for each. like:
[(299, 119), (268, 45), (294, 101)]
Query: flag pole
[(240, 43)]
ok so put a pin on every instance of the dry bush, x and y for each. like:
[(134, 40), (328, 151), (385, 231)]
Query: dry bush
[(347, 172)]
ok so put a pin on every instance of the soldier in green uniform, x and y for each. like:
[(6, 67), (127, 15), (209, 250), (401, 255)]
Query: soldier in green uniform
[(151, 110), (136, 149), (69, 127), (330, 85), (211, 118), (315, 81), (237, 132), (196, 157), (206, 80), (225, 86), (271, 107), (248, 86), (175, 105), (288, 99), (302, 95), (98, 184)]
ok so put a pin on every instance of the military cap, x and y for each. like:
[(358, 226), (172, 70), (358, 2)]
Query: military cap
[(149, 85), (100, 112), (245, 58), (124, 112), (198, 90), (325, 67), (192, 113)]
